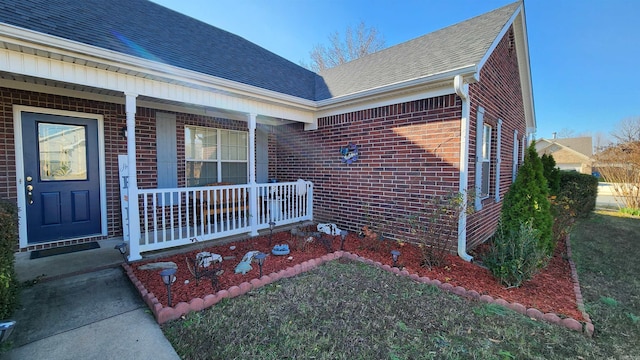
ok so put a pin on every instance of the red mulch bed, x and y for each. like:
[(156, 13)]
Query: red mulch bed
[(550, 291)]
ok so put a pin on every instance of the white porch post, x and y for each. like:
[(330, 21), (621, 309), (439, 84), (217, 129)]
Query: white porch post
[(253, 191), (134, 211)]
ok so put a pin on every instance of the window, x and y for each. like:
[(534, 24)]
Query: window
[(215, 155), (516, 147), (498, 161), (486, 160)]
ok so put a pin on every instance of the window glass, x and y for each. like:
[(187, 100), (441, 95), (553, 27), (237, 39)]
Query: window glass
[(234, 172), (486, 143), (486, 160), (233, 145), (200, 173), (201, 143), (62, 152), (215, 155)]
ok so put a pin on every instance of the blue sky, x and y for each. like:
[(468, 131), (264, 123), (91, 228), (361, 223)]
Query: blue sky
[(584, 54)]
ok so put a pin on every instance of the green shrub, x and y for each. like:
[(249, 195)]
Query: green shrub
[(581, 189), (528, 201), (632, 212), (514, 256), (551, 173), (564, 216), (434, 227), (8, 240)]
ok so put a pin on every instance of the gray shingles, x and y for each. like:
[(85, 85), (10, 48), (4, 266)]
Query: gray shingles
[(450, 48), (582, 145), (147, 30)]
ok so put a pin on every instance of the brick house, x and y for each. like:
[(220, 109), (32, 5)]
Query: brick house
[(171, 111), (569, 153)]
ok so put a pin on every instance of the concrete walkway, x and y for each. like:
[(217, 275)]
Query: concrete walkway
[(82, 306)]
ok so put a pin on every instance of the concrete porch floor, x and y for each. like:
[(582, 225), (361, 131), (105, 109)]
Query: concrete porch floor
[(57, 266), (82, 306)]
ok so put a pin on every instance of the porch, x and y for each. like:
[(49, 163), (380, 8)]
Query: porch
[(180, 216)]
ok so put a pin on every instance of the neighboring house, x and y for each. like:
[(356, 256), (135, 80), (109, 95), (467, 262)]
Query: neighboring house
[(569, 153), (164, 103)]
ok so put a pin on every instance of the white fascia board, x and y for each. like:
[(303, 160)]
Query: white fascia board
[(467, 71), (498, 38), (415, 89), (524, 66), (522, 50), (73, 49)]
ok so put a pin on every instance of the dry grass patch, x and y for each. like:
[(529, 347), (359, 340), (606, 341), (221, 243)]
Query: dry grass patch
[(348, 310)]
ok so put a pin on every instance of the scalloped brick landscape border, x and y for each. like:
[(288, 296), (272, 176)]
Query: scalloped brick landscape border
[(166, 313)]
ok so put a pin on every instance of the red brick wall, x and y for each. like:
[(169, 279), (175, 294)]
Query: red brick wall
[(114, 119), (408, 151), (499, 92)]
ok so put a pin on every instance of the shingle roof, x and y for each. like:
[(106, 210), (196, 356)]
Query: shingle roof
[(582, 145), (144, 29), (450, 48)]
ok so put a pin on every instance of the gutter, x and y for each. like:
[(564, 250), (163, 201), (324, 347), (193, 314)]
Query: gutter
[(462, 90)]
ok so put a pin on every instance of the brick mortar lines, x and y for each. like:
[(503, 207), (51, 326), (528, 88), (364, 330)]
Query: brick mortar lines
[(164, 313)]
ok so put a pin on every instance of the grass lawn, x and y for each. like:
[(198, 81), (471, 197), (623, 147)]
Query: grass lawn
[(606, 250), (349, 310)]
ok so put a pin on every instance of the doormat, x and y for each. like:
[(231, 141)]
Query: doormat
[(36, 254)]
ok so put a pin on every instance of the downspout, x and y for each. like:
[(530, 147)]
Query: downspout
[(462, 90)]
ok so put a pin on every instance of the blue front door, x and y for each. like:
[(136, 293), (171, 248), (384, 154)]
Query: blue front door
[(62, 177)]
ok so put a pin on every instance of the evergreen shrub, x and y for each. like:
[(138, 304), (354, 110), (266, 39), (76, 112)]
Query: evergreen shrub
[(551, 173), (515, 255), (9, 286), (582, 189), (528, 201)]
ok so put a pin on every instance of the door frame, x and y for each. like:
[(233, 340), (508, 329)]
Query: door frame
[(22, 201)]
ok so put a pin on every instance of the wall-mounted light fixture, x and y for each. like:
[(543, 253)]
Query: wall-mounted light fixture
[(123, 132)]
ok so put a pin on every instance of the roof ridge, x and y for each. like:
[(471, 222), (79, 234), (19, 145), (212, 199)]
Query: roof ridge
[(456, 46), (415, 39)]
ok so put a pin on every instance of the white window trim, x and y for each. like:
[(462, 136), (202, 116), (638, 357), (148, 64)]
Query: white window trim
[(479, 143), (516, 143), (498, 159)]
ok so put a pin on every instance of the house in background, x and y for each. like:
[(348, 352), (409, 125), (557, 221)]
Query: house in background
[(569, 153), (184, 124)]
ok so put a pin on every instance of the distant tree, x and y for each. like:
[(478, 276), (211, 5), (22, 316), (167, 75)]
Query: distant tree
[(627, 130), (600, 142), (566, 133), (355, 44), (619, 164)]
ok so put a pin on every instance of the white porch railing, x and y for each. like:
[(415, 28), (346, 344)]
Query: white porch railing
[(175, 217)]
